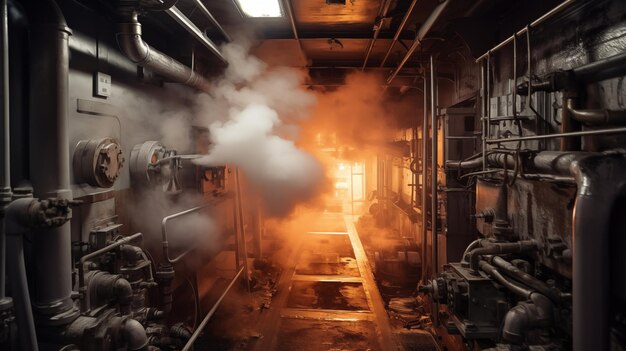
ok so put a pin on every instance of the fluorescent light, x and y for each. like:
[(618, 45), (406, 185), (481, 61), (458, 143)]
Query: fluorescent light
[(260, 8)]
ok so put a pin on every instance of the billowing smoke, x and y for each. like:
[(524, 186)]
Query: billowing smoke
[(263, 108)]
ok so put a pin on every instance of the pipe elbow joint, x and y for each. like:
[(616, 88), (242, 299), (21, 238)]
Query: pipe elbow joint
[(516, 323), (135, 335)]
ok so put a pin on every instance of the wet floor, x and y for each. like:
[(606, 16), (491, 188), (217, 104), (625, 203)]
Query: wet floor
[(327, 299)]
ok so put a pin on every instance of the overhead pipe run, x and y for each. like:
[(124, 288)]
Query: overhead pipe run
[(377, 27), (138, 51), (562, 6), (421, 34), (191, 28), (396, 36), (212, 19), (294, 28)]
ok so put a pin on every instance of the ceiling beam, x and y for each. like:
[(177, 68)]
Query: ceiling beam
[(304, 35)]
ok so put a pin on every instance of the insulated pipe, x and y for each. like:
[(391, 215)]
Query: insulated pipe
[(600, 181), (49, 157), (132, 45), (421, 34), (396, 36)]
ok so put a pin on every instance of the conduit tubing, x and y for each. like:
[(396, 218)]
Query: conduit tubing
[(421, 34), (138, 51), (396, 36)]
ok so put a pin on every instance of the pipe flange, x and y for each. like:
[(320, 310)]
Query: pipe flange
[(98, 162)]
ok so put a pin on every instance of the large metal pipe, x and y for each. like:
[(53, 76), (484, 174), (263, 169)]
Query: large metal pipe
[(600, 181), (396, 36), (49, 157), (132, 45), (421, 34)]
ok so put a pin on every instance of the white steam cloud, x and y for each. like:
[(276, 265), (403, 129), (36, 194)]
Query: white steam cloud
[(262, 108)]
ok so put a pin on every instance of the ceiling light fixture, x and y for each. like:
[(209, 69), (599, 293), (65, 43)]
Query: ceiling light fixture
[(260, 8)]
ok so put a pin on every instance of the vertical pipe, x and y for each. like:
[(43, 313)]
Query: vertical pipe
[(294, 28), (244, 245), (396, 36), (50, 156), (5, 154), (19, 287), (236, 233), (488, 96), (435, 145), (483, 119), (424, 183), (433, 170)]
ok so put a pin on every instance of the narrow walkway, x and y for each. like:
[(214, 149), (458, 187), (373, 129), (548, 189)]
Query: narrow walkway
[(327, 299)]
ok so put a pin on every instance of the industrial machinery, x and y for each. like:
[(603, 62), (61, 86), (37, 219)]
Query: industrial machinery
[(491, 135)]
